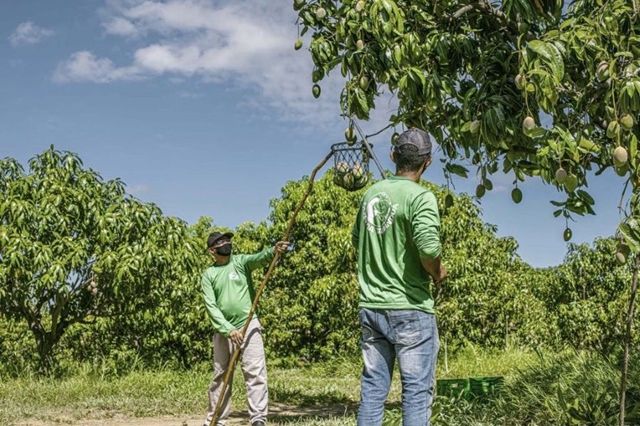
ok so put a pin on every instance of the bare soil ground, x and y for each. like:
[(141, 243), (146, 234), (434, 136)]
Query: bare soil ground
[(279, 413)]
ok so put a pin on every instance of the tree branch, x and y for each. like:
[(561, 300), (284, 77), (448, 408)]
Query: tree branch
[(485, 7), (464, 10), (482, 6), (379, 131)]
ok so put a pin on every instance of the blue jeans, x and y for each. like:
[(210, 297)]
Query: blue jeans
[(412, 337)]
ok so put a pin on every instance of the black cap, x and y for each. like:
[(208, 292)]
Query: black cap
[(215, 236), (416, 137)]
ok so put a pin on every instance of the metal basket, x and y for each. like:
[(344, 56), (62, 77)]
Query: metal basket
[(350, 165)]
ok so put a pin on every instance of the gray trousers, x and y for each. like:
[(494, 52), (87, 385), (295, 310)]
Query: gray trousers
[(254, 369)]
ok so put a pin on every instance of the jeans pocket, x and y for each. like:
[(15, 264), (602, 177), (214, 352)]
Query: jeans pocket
[(407, 326), (368, 334)]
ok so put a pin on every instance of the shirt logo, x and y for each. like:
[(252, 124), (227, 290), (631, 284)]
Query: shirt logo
[(379, 213), (234, 276)]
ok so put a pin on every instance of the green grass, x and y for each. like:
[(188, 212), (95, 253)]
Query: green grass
[(84, 395), (326, 393), (474, 362), (87, 395)]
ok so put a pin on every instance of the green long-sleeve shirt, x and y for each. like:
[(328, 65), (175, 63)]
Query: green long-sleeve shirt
[(397, 224), (228, 290)]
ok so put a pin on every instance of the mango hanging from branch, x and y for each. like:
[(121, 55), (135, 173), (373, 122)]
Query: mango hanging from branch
[(602, 72), (567, 234), (620, 156), (561, 176), (516, 195), (528, 124), (627, 121)]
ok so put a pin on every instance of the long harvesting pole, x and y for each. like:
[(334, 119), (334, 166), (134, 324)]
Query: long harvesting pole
[(236, 354)]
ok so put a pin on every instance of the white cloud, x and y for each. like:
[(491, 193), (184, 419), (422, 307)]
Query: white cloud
[(29, 33), (120, 26), (242, 43), (238, 43), (84, 66)]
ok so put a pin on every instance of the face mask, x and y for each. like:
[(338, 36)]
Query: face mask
[(224, 250)]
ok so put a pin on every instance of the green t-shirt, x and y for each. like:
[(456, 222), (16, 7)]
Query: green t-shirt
[(228, 290), (397, 225)]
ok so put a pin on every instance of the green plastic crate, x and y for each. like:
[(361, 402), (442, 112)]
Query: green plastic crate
[(453, 387), (484, 386)]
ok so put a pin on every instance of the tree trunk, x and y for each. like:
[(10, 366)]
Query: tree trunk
[(45, 343), (45, 352), (627, 341)]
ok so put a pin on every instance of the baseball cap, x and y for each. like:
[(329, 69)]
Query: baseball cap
[(215, 236), (416, 137)]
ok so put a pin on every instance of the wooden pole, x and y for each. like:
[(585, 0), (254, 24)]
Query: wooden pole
[(236, 354)]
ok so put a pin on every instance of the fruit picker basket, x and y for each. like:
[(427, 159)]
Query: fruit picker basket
[(453, 387), (473, 387), (351, 165), (485, 386)]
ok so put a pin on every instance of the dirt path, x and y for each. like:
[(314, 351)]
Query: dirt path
[(278, 413)]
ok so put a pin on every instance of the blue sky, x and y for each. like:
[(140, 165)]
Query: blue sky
[(204, 108)]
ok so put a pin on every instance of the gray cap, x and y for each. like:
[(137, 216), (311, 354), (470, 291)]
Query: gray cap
[(214, 237), (416, 137)]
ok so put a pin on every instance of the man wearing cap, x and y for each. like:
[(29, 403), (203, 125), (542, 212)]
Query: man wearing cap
[(228, 294), (397, 236)]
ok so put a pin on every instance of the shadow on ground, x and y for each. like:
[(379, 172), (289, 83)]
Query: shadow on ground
[(284, 414)]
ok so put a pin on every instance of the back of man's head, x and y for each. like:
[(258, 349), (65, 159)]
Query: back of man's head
[(411, 150)]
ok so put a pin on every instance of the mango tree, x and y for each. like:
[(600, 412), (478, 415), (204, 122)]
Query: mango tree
[(541, 88), (74, 248), (586, 297), (172, 329)]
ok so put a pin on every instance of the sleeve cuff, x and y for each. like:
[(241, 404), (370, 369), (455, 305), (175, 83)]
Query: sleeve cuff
[(431, 252), (226, 330)]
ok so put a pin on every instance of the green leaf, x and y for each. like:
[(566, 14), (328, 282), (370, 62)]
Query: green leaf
[(537, 132), (631, 236), (587, 145), (457, 169), (552, 56), (585, 197), (397, 54), (362, 101)]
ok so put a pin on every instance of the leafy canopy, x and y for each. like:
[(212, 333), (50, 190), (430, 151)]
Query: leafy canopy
[(542, 88), (74, 247)]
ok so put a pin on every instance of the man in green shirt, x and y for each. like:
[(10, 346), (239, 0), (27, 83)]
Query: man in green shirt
[(228, 295), (397, 236)]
